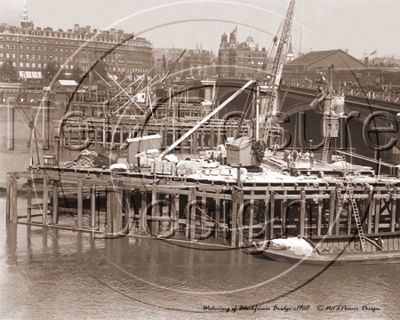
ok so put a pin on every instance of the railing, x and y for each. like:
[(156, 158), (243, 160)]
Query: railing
[(369, 94)]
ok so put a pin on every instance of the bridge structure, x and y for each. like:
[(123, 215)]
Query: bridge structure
[(371, 121)]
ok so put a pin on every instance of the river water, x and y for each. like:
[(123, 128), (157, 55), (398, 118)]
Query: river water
[(59, 274)]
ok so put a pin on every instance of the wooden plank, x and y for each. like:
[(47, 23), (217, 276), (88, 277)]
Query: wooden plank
[(55, 201), (302, 212), (80, 202), (319, 215)]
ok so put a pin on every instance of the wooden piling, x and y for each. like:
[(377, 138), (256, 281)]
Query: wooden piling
[(240, 213), (284, 212), (93, 207), (117, 226), (319, 215), (302, 212), (338, 211), (29, 201), (143, 210), (371, 213), (393, 209), (251, 217), (217, 218), (155, 210), (331, 210), (8, 197), (377, 212), (272, 215), (55, 201), (80, 203), (234, 217), (192, 201), (45, 199), (110, 207), (268, 234)]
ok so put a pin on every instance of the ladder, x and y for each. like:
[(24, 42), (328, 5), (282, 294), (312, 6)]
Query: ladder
[(326, 148), (358, 220)]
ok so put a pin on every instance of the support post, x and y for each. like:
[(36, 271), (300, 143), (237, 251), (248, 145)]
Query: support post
[(394, 209), (93, 207), (272, 215), (155, 211), (80, 203), (45, 199), (331, 210), (251, 218), (55, 201), (193, 215), (240, 213), (284, 213), (319, 217), (371, 213), (234, 217), (302, 212), (143, 210), (29, 201), (377, 212)]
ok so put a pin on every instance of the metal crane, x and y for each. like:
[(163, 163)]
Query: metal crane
[(269, 114)]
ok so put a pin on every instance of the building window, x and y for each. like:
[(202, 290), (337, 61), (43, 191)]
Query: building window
[(33, 47), (8, 55), (1, 55), (14, 64), (44, 65), (39, 65), (13, 55), (27, 64), (56, 58), (21, 55), (45, 48), (21, 64), (27, 56), (27, 47), (39, 57), (33, 65)]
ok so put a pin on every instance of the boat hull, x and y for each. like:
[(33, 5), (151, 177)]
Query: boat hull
[(335, 259)]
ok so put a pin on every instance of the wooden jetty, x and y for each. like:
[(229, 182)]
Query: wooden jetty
[(204, 210)]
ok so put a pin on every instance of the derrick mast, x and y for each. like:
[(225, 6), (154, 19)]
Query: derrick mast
[(270, 111)]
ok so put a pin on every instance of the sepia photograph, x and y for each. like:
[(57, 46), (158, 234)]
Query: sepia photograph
[(199, 159)]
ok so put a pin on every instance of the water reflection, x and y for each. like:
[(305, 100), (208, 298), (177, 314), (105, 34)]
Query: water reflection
[(55, 272)]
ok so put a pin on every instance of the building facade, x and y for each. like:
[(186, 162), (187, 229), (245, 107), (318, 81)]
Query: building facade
[(31, 49), (196, 63), (240, 60)]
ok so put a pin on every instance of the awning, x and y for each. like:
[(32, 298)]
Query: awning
[(68, 82), (30, 74)]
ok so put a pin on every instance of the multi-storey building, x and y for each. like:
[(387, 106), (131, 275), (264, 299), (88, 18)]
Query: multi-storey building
[(197, 63), (31, 49), (240, 60)]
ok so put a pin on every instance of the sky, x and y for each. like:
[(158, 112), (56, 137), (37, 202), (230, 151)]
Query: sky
[(357, 25)]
